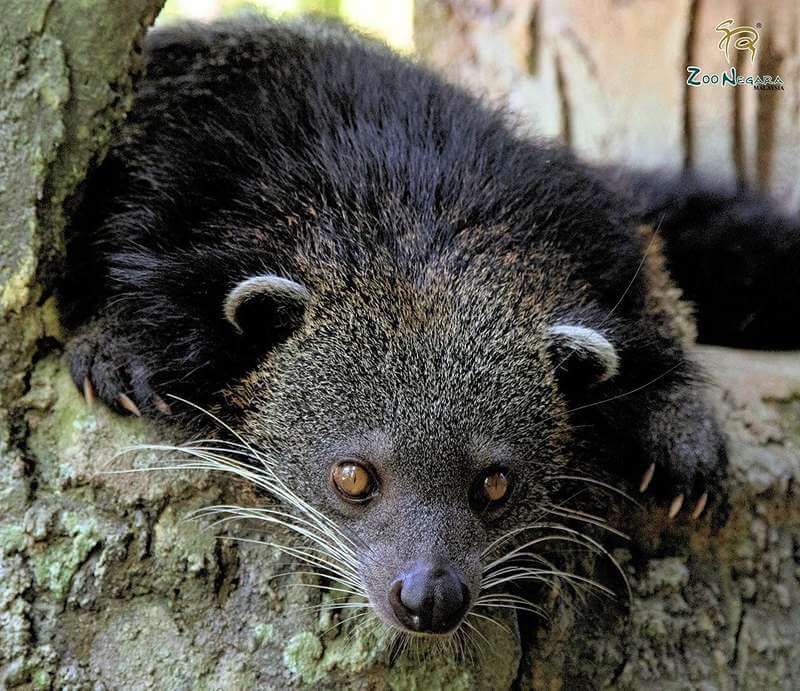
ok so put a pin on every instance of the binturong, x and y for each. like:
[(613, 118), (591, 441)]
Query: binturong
[(444, 345)]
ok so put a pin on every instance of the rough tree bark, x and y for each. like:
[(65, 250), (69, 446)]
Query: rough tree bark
[(104, 585)]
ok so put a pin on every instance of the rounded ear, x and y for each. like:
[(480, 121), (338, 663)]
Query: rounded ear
[(582, 356), (266, 307)]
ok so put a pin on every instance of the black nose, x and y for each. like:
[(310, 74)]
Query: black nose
[(429, 598)]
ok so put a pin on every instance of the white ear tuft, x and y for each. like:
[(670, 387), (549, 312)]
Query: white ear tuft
[(588, 346), (267, 299)]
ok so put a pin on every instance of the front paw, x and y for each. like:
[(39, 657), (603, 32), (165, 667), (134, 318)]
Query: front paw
[(686, 458), (104, 367)]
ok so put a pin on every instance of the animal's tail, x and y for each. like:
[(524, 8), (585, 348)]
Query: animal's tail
[(735, 254)]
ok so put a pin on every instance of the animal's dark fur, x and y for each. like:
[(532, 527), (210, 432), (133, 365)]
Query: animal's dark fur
[(437, 246), (735, 255)]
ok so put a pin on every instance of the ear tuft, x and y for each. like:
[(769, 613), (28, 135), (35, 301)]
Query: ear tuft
[(266, 306), (584, 353)]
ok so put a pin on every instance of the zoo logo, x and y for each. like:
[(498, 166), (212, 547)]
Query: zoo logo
[(744, 38)]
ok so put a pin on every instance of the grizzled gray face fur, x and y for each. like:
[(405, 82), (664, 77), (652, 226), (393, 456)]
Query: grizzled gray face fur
[(431, 426)]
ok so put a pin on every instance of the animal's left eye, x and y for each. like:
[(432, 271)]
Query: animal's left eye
[(491, 489), (353, 481)]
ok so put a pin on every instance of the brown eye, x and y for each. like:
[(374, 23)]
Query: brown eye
[(353, 481), (490, 489), (495, 486)]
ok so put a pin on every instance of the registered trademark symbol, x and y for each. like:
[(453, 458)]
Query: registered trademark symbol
[(759, 25)]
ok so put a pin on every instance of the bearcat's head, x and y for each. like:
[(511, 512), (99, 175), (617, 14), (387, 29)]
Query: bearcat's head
[(418, 421)]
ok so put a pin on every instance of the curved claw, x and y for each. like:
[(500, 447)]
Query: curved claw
[(88, 391), (700, 505), (647, 477), (129, 405), (675, 507), (161, 405)]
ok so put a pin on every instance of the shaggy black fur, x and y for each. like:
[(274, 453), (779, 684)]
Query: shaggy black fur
[(249, 141), (306, 152), (734, 253)]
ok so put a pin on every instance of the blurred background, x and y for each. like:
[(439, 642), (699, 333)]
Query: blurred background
[(392, 21)]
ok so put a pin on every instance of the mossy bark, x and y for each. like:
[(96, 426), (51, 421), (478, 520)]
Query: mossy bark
[(66, 69), (103, 584)]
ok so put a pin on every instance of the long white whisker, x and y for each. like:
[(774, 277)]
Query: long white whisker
[(211, 461), (330, 606), (599, 483), (332, 553), (538, 611), (273, 517), (510, 534), (344, 621), (276, 517), (328, 589), (572, 536), (629, 392), (312, 559), (344, 571), (512, 575), (624, 292), (476, 615), (215, 418)]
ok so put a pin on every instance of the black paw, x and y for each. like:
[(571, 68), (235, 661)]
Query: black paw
[(102, 367), (687, 459)]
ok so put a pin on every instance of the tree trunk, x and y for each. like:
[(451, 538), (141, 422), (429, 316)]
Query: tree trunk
[(103, 584), (610, 79)]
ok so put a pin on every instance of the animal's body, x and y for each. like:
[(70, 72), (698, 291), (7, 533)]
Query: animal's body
[(426, 319)]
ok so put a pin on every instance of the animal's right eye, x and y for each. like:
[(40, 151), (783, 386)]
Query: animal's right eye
[(490, 489), (353, 481)]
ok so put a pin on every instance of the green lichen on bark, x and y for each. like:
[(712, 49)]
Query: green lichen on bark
[(64, 85), (301, 656)]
